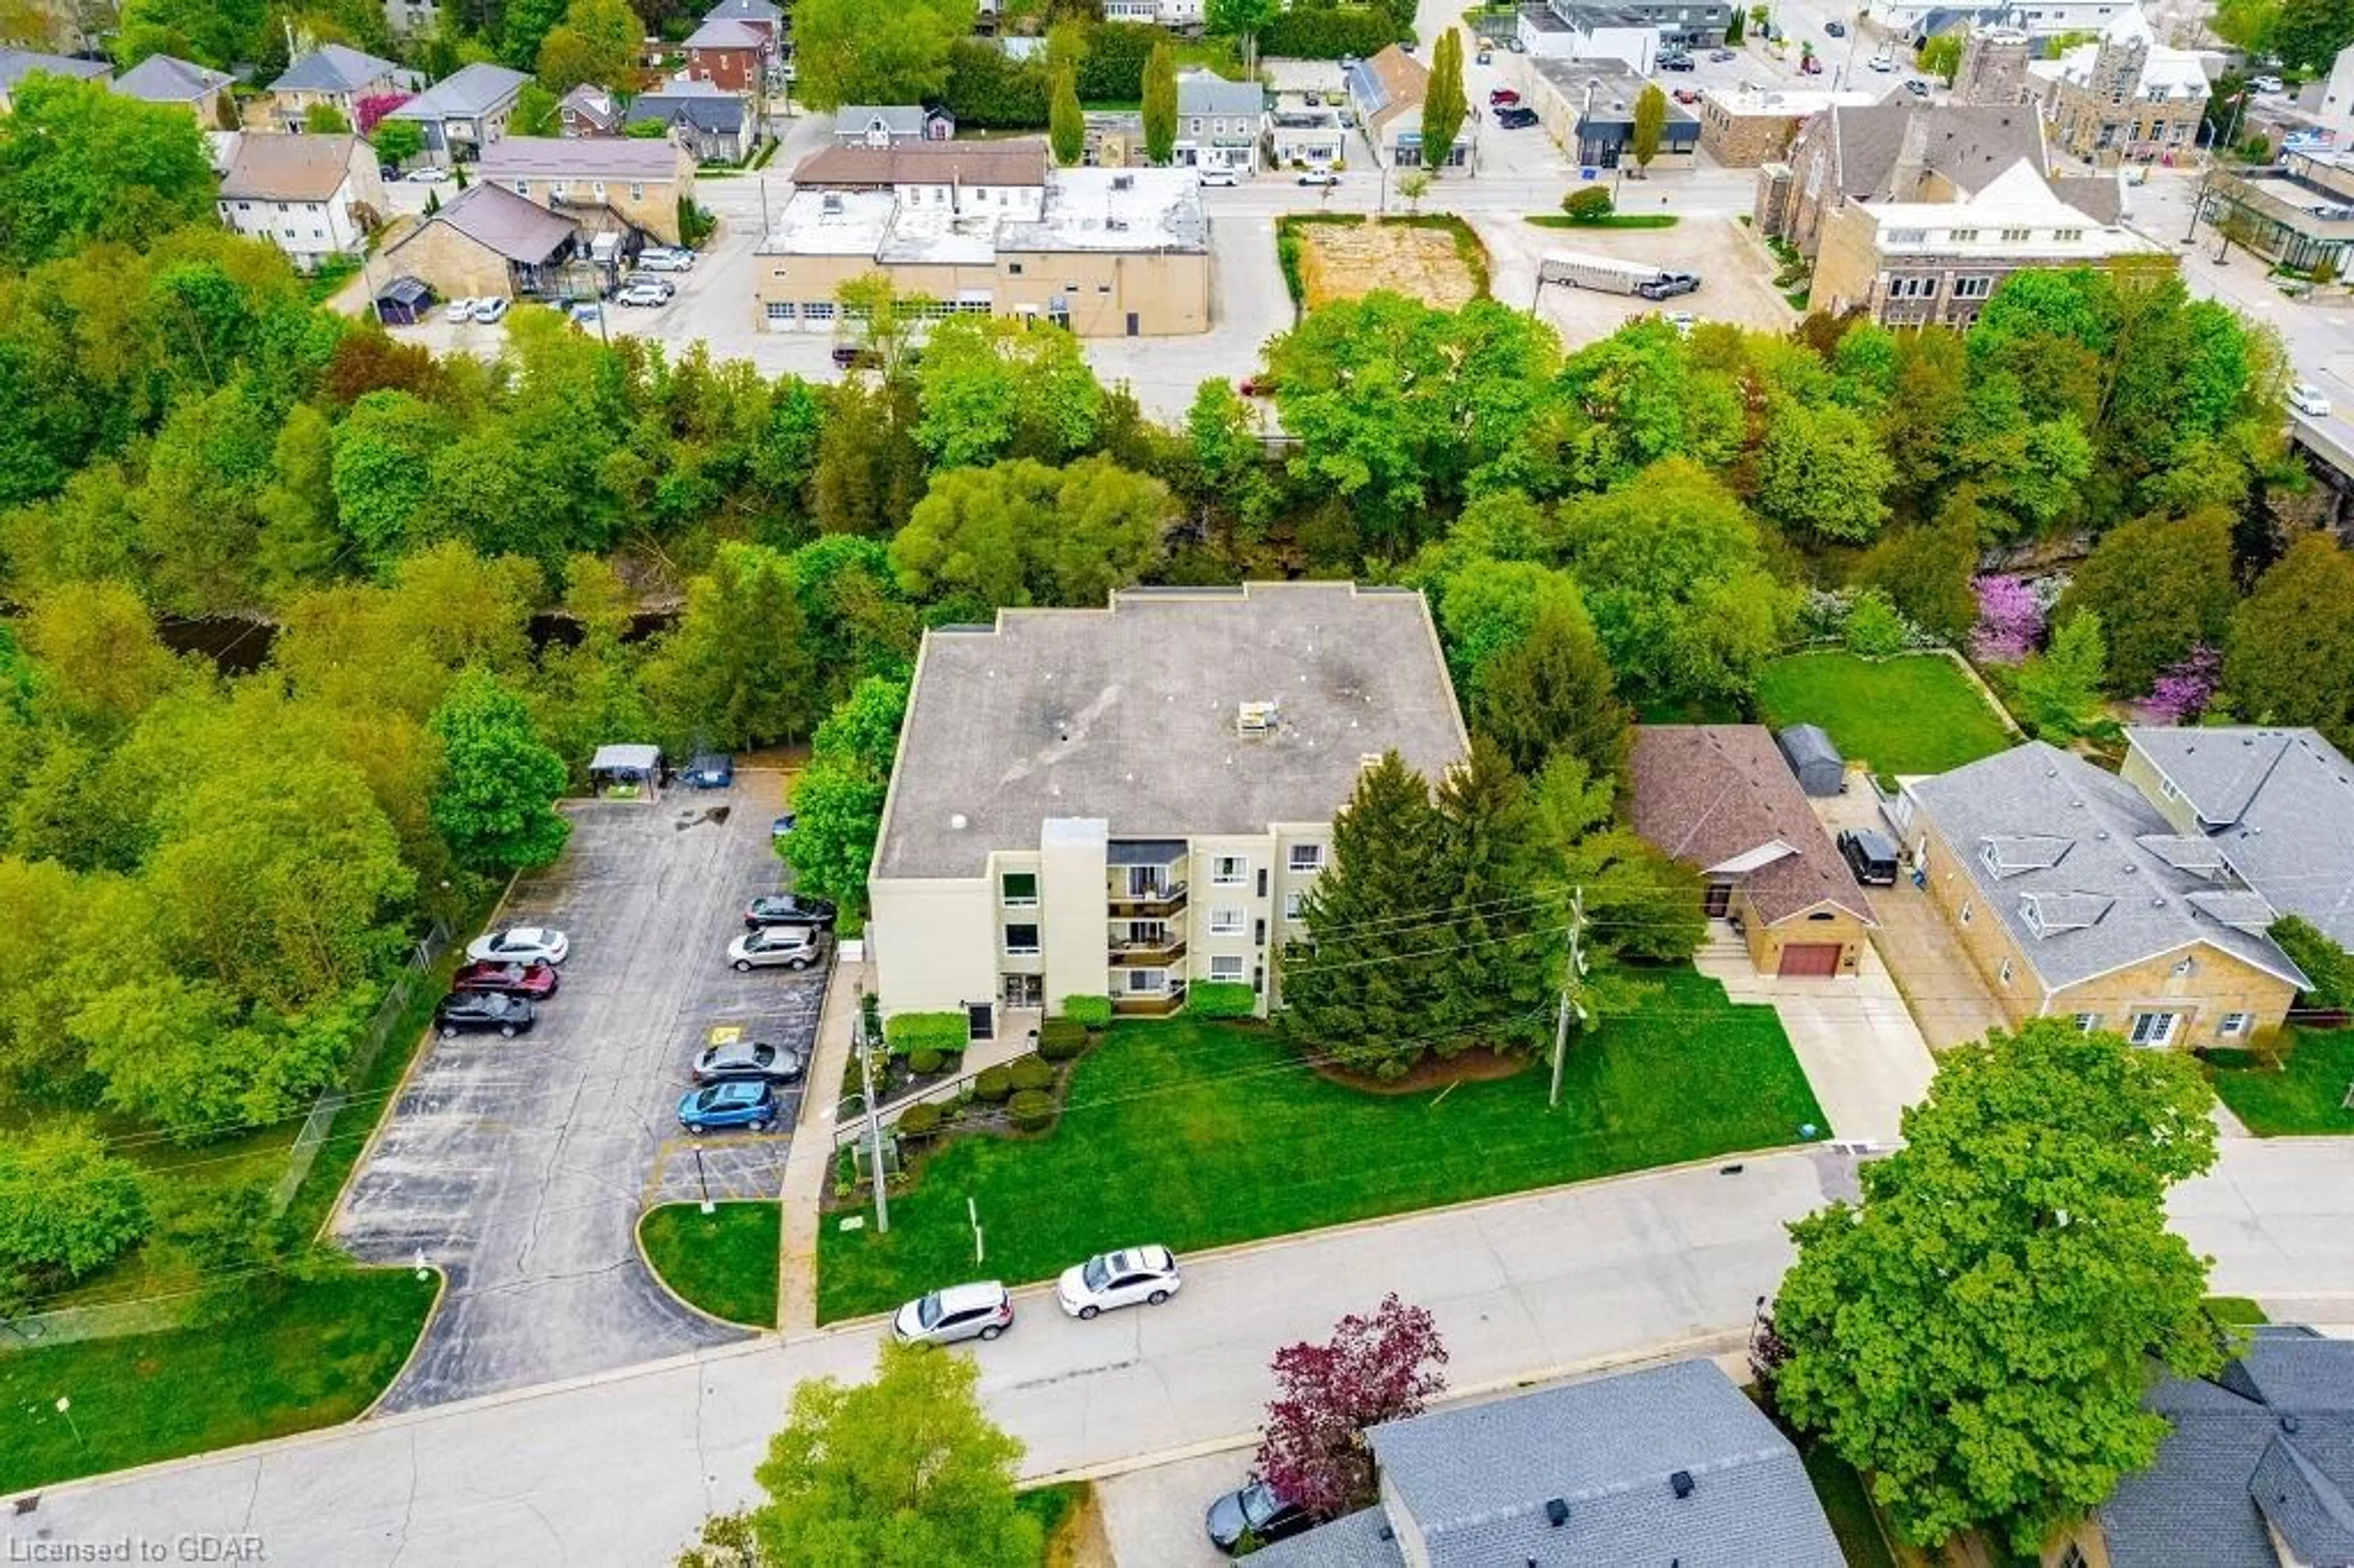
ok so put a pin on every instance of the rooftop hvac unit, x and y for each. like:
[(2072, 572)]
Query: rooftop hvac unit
[(1255, 719)]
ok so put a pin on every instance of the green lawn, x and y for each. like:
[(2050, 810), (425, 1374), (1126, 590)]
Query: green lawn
[(2239, 1310), (1915, 714), (1610, 220), (1199, 1134), (1848, 1506), (2306, 1095), (1053, 1508), (316, 1355), (724, 1262)]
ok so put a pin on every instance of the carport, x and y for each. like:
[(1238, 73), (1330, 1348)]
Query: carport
[(626, 766)]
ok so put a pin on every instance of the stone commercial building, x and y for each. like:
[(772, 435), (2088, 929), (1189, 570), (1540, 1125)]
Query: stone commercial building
[(1121, 802), (1747, 127), (985, 228), (1994, 68), (2128, 98)]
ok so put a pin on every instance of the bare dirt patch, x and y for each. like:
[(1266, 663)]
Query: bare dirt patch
[(1345, 261)]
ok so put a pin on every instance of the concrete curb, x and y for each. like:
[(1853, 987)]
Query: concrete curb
[(440, 1294), (638, 1242)]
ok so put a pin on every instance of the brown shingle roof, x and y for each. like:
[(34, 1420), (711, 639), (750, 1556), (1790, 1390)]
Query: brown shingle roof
[(1705, 794), (494, 217), (289, 168), (1020, 163)]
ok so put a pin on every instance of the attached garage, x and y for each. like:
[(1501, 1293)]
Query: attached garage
[(1803, 959)]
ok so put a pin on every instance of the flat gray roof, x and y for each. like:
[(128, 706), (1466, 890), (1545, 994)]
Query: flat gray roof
[(1130, 714)]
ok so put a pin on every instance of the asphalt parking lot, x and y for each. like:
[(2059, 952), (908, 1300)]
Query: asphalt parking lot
[(520, 1166), (1736, 273)]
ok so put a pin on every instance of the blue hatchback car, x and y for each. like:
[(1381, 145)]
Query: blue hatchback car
[(710, 770), (735, 1103)]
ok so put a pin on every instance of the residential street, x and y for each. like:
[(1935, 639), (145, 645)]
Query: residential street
[(619, 1469)]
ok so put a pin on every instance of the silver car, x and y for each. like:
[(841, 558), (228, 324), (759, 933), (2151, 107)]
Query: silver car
[(751, 1059), (787, 946), (977, 1311)]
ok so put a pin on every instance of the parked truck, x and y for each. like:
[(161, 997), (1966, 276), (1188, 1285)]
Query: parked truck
[(1600, 272)]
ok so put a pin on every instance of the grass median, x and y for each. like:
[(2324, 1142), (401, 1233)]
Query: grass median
[(2304, 1093), (1197, 1134), (724, 1262)]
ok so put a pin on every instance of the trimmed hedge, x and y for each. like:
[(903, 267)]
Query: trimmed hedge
[(1029, 1073), (910, 1031), (1060, 1039), (1220, 999), (993, 1084), (1330, 35), (920, 1119), (1032, 1110), (924, 1062), (1088, 1012)]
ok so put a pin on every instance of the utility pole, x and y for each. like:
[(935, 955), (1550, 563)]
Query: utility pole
[(1572, 970), (874, 1122)]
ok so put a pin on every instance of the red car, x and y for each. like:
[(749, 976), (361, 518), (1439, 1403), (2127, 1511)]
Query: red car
[(1685, 95), (1502, 98), (534, 980)]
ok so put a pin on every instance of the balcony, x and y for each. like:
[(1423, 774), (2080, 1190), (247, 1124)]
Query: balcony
[(1150, 1003), (1147, 954), (1152, 904)]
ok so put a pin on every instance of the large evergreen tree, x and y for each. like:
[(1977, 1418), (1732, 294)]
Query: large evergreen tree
[(1067, 128), (1551, 692), (1496, 946), (1348, 993), (1443, 102), (1159, 104)]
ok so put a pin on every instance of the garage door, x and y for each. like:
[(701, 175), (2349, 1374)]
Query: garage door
[(1810, 959)]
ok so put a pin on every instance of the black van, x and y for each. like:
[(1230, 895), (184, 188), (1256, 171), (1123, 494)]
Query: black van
[(1870, 855)]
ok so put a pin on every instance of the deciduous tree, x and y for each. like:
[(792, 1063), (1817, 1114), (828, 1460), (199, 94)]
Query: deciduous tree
[(1821, 472), (79, 163), (990, 388), (1650, 124), (1977, 1335), (495, 803), (1444, 105), (1377, 1367), (2058, 690), (66, 1206), (735, 670), (1023, 532), (875, 51), (2160, 585), (2291, 656)]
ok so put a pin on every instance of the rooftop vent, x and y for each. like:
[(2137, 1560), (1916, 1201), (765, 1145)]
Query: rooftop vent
[(1123, 182), (958, 820), (1683, 1482), (1255, 719), (1556, 1513)]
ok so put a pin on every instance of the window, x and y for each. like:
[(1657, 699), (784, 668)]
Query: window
[(1225, 922), (2005, 971), (2151, 1028), (2085, 1022), (637, 190), (1019, 888), (1907, 236), (1013, 269), (1227, 968), (1292, 903), (1145, 981), (1022, 939), (1963, 235), (2233, 1024), (597, 189), (1228, 871), (2166, 791), (1911, 288), (1308, 857), (818, 311), (556, 189), (523, 187), (2066, 236), (1977, 287), (780, 309), (2017, 235)]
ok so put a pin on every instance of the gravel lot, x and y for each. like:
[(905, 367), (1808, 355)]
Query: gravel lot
[(520, 1166), (1736, 273)]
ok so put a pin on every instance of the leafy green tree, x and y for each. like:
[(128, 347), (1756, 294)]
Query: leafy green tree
[(1926, 572), (870, 472), (1023, 532), (2247, 26), (494, 804), (1640, 905), (1675, 579), (2058, 690), (535, 113), (990, 388), (325, 120), (397, 140), (1159, 104), (875, 51), (1551, 692), (735, 670), (1940, 57), (95, 659), (2307, 33), (1444, 105), (1346, 994), (2160, 585), (66, 1206), (2292, 644), (598, 42), (1650, 124), (521, 23), (589, 693), (1242, 20), (1874, 629), (837, 814), (216, 33), (905, 1470), (1498, 945), (2329, 967), (865, 730), (296, 544), (79, 163), (1977, 1335), (1821, 472), (382, 475), (1639, 396), (1066, 130)]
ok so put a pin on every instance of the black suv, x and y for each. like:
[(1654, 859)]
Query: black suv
[(1516, 119), (1870, 855), (464, 1010), (787, 909)]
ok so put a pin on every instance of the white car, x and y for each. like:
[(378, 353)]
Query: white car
[(429, 175), (1123, 1278), (1682, 321), (665, 259), (2308, 400), (491, 311), (1320, 178), (1220, 177), (2265, 83), (789, 947), (979, 1311), (460, 309), (1880, 64), (642, 294), (520, 945)]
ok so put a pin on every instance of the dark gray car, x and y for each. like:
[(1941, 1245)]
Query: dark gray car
[(751, 1059)]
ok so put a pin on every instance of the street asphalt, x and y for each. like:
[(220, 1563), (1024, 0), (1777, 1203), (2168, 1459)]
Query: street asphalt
[(519, 1168)]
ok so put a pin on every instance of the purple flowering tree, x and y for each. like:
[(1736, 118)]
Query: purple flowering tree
[(2185, 688), (2011, 620)]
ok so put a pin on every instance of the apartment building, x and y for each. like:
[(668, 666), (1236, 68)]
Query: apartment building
[(1125, 801), (638, 183), (311, 196)]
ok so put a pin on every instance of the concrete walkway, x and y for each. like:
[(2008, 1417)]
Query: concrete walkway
[(1861, 1051), (808, 1168)]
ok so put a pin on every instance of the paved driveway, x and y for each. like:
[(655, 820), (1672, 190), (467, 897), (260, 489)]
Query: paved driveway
[(520, 1166)]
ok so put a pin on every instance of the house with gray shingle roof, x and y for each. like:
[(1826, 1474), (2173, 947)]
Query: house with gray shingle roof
[(712, 124), (463, 113), (2075, 898), (2275, 805), (2257, 1471), (338, 77), (16, 65), (890, 124), (1219, 122), (162, 79), (1669, 1465)]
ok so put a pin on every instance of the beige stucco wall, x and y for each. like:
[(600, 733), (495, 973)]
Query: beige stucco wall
[(454, 266), (1847, 259), (933, 942), (1765, 942), (2218, 983), (2142, 773), (1075, 935), (650, 204), (1260, 913)]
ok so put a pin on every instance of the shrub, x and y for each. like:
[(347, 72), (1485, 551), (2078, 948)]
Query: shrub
[(1029, 1073), (67, 1206), (919, 1119), (2329, 967), (1060, 1039), (994, 1084), (1873, 627), (1088, 1012), (912, 1032), (1589, 204), (1032, 1110), (1328, 35), (1220, 999), (925, 1061)]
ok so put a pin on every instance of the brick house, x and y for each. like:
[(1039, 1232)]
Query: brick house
[(729, 55)]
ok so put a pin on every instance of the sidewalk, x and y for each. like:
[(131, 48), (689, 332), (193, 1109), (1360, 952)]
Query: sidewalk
[(810, 1165)]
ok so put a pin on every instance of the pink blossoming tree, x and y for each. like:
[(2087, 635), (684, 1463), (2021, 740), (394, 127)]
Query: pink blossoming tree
[(1376, 1369), (2011, 620)]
